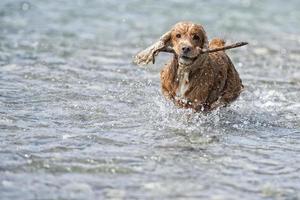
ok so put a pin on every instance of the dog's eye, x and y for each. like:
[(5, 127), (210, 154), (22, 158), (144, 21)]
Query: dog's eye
[(178, 35), (196, 37)]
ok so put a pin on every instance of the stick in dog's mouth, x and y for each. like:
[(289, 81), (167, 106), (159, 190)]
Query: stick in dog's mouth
[(201, 51)]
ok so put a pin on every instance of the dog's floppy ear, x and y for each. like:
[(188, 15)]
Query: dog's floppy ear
[(146, 56)]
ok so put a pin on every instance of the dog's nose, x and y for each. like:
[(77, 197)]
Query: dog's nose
[(186, 49)]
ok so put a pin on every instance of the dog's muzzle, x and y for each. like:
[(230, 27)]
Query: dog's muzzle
[(186, 60), (186, 56)]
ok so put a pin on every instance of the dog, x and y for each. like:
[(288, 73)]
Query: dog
[(202, 82)]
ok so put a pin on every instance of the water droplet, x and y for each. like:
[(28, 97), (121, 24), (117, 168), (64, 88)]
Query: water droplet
[(25, 6)]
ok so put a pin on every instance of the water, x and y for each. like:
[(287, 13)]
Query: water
[(79, 121)]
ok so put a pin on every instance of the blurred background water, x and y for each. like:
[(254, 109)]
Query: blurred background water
[(79, 121)]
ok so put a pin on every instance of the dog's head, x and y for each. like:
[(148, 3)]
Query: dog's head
[(186, 38)]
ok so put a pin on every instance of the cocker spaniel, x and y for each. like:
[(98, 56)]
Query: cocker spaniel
[(194, 79)]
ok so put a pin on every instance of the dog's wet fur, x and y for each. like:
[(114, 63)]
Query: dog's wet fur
[(202, 82)]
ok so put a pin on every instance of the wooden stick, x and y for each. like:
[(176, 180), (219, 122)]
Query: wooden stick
[(202, 51), (235, 45)]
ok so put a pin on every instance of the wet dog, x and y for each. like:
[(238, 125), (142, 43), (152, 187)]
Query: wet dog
[(202, 82)]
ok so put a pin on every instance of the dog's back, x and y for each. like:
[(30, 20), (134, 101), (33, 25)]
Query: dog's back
[(227, 84), (216, 42)]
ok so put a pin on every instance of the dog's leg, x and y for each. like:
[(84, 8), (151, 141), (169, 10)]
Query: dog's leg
[(219, 103)]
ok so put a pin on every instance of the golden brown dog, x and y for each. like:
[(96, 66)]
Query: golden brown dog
[(192, 80)]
